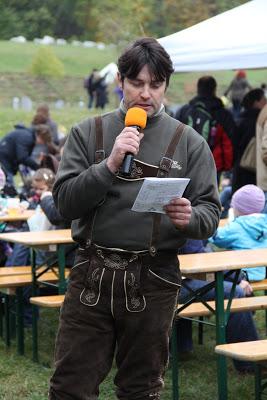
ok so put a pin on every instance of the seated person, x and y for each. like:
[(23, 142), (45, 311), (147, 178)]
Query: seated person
[(240, 326), (226, 193), (16, 148), (42, 184), (248, 230)]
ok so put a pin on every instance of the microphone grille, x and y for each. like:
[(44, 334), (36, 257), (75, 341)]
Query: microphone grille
[(136, 116)]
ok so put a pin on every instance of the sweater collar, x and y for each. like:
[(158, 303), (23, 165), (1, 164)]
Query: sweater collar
[(151, 119)]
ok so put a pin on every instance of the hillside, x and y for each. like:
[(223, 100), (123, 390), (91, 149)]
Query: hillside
[(15, 79)]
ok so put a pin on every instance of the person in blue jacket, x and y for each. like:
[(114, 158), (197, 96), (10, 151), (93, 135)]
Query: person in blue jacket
[(16, 148), (248, 230)]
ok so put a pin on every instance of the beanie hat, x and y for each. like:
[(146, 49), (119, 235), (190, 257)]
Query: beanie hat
[(249, 199)]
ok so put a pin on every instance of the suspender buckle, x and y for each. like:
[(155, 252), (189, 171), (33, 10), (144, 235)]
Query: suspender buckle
[(165, 164), (99, 156)]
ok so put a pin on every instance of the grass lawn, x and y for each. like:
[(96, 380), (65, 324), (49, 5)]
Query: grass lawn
[(22, 379)]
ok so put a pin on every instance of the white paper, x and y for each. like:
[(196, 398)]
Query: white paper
[(157, 192)]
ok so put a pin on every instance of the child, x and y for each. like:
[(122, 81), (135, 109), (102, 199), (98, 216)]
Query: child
[(248, 230)]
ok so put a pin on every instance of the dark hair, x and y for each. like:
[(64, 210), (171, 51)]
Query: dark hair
[(43, 109), (43, 131), (39, 118), (145, 51), (206, 86), (44, 175), (252, 96)]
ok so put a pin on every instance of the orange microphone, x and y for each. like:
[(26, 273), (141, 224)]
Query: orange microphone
[(136, 118)]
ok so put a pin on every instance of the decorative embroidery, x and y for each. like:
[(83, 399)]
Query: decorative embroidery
[(176, 165), (135, 302), (137, 171), (115, 261), (90, 295)]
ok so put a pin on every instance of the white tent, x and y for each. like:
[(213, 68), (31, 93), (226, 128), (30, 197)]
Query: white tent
[(234, 39)]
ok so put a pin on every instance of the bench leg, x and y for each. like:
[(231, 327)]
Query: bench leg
[(20, 321), (257, 382), (1, 316), (174, 363), (200, 330)]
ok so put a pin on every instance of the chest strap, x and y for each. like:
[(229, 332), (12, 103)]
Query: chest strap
[(99, 144), (164, 168)]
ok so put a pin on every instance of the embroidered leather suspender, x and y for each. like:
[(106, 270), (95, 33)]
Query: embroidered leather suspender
[(164, 168), (99, 145)]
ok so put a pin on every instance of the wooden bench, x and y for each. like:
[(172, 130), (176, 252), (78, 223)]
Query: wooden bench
[(259, 285), (48, 301), (17, 270), (256, 352), (238, 305), (12, 285), (194, 310)]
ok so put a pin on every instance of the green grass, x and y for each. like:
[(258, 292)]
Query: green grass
[(78, 61), (22, 379)]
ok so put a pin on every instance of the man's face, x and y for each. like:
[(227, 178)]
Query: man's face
[(143, 91)]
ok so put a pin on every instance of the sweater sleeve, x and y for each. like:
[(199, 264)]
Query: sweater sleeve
[(80, 185)]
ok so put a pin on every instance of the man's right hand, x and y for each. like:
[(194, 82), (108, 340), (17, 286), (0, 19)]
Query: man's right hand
[(128, 141)]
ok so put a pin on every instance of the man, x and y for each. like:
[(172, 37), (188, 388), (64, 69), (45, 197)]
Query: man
[(261, 152), (16, 148), (89, 85), (238, 87), (44, 110), (123, 287), (207, 115)]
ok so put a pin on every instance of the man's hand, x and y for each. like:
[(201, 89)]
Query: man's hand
[(128, 141), (179, 211), (246, 287)]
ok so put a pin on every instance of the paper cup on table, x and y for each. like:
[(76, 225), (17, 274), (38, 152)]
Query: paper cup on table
[(13, 206)]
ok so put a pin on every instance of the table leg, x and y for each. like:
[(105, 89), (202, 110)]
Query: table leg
[(7, 321), (20, 321), (220, 336), (34, 309), (61, 264), (1, 315)]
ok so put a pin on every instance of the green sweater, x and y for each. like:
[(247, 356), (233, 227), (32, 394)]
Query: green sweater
[(99, 203)]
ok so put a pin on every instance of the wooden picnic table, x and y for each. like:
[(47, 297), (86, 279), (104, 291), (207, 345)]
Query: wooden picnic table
[(19, 216), (53, 240), (218, 263)]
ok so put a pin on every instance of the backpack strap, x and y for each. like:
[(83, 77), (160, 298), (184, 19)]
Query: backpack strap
[(99, 144), (164, 168)]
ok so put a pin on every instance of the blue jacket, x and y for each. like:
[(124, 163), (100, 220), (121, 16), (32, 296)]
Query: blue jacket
[(16, 148), (244, 232)]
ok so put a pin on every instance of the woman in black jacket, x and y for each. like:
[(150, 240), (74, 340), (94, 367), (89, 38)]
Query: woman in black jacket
[(252, 103)]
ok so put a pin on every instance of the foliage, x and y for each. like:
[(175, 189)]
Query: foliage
[(108, 20), (45, 63)]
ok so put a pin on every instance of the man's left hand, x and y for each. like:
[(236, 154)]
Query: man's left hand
[(179, 211)]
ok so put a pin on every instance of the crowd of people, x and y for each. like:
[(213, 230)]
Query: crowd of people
[(124, 284)]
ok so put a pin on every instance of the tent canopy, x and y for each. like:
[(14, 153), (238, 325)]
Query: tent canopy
[(234, 39)]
